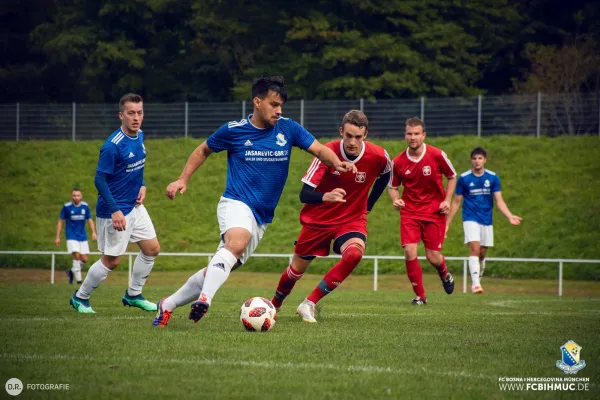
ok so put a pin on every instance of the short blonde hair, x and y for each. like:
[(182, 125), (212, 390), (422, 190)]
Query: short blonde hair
[(415, 121)]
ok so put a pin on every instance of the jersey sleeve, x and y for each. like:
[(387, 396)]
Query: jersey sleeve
[(388, 164), (302, 138), (88, 213), (446, 165), (220, 140), (108, 158), (315, 173), (395, 179), (496, 184), (63, 212), (459, 186)]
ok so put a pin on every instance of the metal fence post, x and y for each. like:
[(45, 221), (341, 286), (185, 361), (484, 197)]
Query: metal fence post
[(362, 104), (73, 127), (19, 116), (302, 112), (52, 268), (185, 132), (560, 279), (422, 108), (465, 276), (375, 268), (479, 116), (243, 109), (539, 114)]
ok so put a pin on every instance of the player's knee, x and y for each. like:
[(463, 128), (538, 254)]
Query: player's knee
[(153, 251), (434, 258), (83, 258), (236, 247), (111, 262), (353, 253)]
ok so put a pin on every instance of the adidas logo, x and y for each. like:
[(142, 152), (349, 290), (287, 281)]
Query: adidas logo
[(472, 184), (131, 155), (248, 143), (407, 172), (219, 265)]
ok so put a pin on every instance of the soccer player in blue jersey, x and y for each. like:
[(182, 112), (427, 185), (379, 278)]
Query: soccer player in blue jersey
[(258, 159), (75, 213), (479, 187), (120, 214)]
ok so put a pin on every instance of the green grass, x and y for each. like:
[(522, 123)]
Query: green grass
[(365, 345), (550, 182)]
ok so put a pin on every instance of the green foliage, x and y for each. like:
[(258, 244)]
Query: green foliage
[(551, 191)]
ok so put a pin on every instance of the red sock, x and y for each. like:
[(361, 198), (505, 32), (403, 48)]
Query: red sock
[(288, 279), (340, 271), (415, 276), (442, 269)]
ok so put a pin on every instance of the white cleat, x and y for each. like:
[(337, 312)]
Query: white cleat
[(306, 310)]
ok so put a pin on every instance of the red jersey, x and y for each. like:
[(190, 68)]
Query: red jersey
[(372, 162), (423, 183)]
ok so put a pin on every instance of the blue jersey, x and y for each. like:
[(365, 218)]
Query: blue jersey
[(478, 193), (75, 217), (258, 161), (122, 158)]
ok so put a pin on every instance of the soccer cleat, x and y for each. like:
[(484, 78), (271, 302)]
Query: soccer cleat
[(70, 275), (138, 301), (163, 316), (477, 289), (448, 283), (306, 310), (81, 305), (417, 301), (199, 309)]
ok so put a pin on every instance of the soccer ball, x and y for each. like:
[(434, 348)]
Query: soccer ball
[(258, 314)]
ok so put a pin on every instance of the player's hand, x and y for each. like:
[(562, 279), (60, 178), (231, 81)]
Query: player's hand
[(57, 241), (118, 221), (141, 196), (174, 187), (398, 204), (335, 196), (515, 220), (444, 207), (94, 236), (346, 166)]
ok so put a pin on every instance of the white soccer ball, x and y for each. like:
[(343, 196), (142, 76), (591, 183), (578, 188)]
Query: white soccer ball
[(258, 314)]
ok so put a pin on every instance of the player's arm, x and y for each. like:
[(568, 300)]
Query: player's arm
[(309, 196), (196, 159), (450, 173), (92, 227), (513, 219), (395, 181), (328, 157), (377, 190), (453, 210), (58, 230)]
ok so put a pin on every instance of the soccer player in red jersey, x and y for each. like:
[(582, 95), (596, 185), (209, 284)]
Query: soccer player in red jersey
[(423, 205), (336, 207)]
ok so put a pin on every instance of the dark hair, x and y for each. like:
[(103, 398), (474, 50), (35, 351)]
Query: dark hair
[(265, 84), (75, 189), (415, 121), (479, 150), (129, 98), (356, 118)]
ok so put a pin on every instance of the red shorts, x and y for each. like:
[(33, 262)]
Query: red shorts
[(317, 241), (430, 232)]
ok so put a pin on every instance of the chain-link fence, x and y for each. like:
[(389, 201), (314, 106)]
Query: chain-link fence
[(539, 115)]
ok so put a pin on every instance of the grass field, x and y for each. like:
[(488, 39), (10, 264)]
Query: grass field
[(550, 190), (366, 345)]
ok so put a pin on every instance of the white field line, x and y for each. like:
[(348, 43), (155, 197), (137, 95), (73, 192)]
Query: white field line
[(367, 369)]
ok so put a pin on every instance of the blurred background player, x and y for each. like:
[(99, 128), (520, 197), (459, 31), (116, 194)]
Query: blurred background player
[(336, 207), (75, 213), (479, 187), (258, 159), (120, 215), (423, 206)]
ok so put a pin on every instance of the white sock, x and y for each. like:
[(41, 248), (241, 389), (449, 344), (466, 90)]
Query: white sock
[(189, 292), (77, 270), (217, 272), (95, 276), (474, 268), (141, 270)]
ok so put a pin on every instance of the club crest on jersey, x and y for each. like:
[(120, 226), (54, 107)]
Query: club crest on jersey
[(281, 139), (82, 212), (360, 177), (486, 183), (427, 170)]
